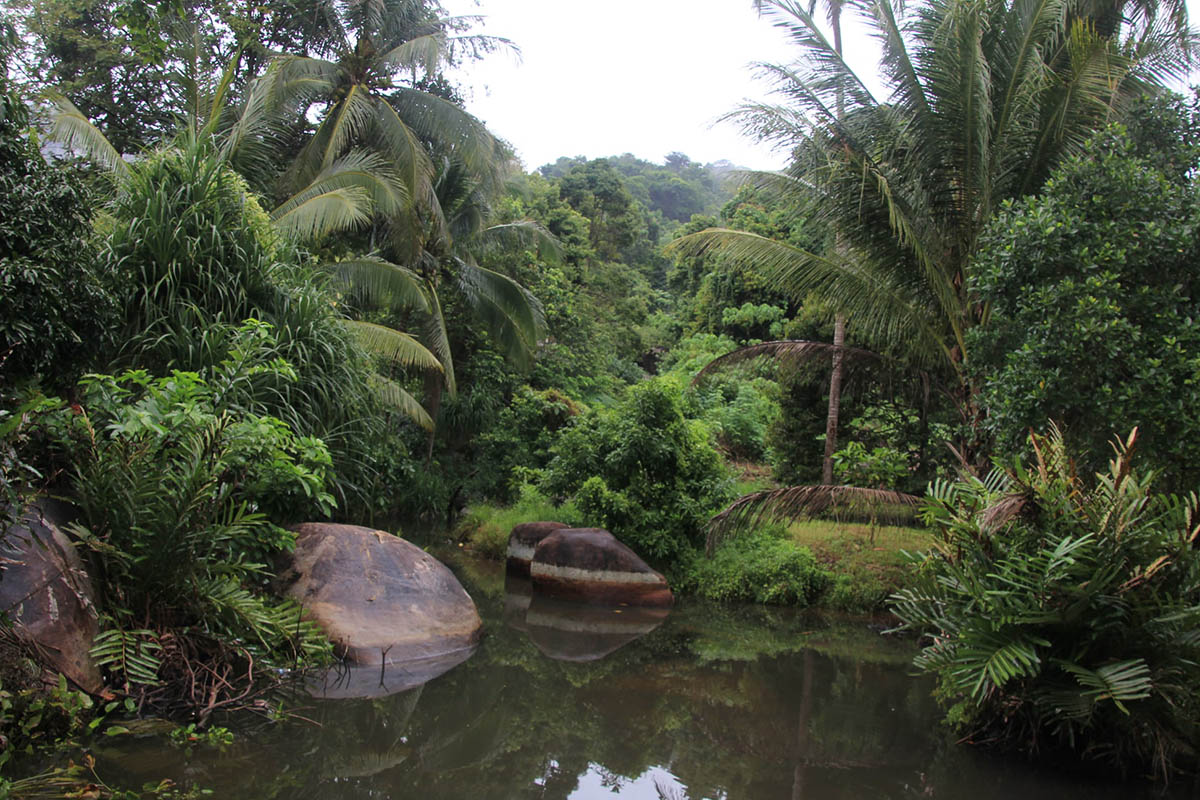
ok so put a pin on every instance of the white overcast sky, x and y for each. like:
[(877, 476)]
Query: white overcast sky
[(640, 76)]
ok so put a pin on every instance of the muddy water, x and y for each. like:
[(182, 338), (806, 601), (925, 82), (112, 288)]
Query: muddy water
[(708, 702)]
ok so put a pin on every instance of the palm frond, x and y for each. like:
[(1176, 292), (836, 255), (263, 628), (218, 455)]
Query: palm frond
[(73, 130), (796, 502), (396, 346), (317, 212), (511, 312), (394, 395), (380, 281), (522, 233), (787, 350)]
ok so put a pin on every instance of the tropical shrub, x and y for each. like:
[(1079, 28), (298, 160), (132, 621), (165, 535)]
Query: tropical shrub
[(1064, 613), (521, 440), (641, 470), (762, 567), (740, 406), (179, 494), (194, 254), (55, 314), (1092, 289), (487, 527)]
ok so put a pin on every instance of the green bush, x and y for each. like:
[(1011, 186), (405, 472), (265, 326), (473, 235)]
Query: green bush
[(1064, 614), (764, 567), (644, 472), (487, 527), (55, 314), (1093, 287), (194, 254), (174, 487), (521, 440)]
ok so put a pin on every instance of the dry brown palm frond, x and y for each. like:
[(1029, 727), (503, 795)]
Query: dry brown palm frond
[(788, 351), (1004, 510), (796, 502)]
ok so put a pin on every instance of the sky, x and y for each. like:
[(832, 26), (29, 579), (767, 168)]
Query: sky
[(646, 77)]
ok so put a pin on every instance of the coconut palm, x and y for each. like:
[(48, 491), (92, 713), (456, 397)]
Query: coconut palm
[(242, 138), (985, 99), (366, 89), (444, 249)]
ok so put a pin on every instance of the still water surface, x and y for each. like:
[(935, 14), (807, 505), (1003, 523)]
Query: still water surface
[(708, 702)]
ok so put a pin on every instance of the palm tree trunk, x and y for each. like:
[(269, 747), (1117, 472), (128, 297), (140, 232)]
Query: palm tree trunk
[(839, 324), (433, 403), (835, 399)]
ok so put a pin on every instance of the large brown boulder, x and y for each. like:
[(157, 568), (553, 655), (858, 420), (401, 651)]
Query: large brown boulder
[(522, 541), (590, 565), (46, 593), (380, 599)]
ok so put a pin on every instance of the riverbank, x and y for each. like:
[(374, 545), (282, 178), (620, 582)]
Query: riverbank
[(853, 567)]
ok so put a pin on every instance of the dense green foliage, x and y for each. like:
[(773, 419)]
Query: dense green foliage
[(174, 481), (55, 312), (642, 471), (765, 567), (193, 254), (993, 262), (1092, 289), (1063, 611)]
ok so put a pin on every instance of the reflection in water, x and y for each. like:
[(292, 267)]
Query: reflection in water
[(720, 703), (348, 681), (572, 631)]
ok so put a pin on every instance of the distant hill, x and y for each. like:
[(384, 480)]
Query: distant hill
[(677, 188)]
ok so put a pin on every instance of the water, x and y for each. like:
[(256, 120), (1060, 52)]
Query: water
[(710, 702)]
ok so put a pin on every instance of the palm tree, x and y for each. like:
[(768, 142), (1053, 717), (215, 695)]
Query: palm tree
[(449, 244), (366, 88), (242, 138), (985, 99)]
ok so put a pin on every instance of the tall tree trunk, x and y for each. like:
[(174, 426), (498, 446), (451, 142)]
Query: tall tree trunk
[(835, 399), (839, 324), (433, 403)]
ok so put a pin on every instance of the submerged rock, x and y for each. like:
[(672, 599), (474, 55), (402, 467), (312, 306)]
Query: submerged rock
[(48, 596), (380, 599), (522, 542), (591, 565)]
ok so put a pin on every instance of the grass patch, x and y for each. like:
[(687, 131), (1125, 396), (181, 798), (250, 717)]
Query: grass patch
[(762, 567), (866, 568), (484, 528)]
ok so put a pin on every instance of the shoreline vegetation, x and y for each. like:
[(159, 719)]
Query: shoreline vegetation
[(261, 267)]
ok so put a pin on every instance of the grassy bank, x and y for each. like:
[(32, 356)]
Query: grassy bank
[(866, 566), (842, 566)]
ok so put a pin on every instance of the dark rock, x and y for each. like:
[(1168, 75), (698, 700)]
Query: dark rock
[(522, 541), (590, 565), (46, 593), (569, 631), (380, 599)]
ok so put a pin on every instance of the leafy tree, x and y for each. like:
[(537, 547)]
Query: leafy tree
[(121, 62), (642, 471), (55, 312), (1092, 290), (1063, 613)]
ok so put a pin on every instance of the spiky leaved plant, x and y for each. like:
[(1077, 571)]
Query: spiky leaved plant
[(1064, 613)]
